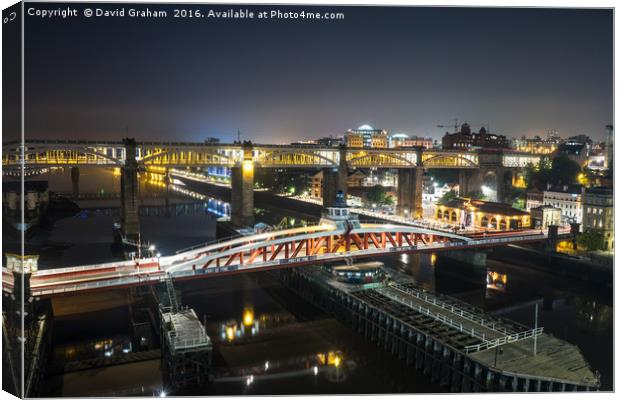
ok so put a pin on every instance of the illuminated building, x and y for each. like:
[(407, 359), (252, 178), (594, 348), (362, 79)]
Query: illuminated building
[(597, 160), (465, 139), (537, 145), (543, 216), (598, 213), (366, 136), (329, 142), (533, 199), (567, 198), (404, 140), (609, 146), (478, 214)]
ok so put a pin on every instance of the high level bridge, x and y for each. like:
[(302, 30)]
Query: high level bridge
[(276, 249), (476, 166)]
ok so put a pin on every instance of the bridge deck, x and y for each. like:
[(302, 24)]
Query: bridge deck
[(555, 359)]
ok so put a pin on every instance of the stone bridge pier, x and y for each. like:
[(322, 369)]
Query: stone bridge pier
[(409, 190), (129, 192), (75, 182), (242, 195), (335, 179), (496, 179)]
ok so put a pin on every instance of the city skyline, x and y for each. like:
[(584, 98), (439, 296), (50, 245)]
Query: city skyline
[(522, 71)]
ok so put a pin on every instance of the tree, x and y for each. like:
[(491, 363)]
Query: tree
[(451, 195), (377, 195), (561, 171), (592, 239), (564, 171), (537, 176), (476, 195)]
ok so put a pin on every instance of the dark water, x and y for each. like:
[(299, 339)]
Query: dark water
[(292, 336)]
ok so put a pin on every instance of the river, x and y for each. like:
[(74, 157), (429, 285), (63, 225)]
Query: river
[(285, 338)]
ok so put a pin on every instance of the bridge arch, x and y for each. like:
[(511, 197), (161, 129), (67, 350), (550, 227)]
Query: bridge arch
[(318, 244), (448, 160), (52, 158), (375, 159), (269, 156), (210, 154)]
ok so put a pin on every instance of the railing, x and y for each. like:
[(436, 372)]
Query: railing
[(426, 311), (171, 294), (239, 236), (177, 343), (99, 284), (81, 268), (449, 307), (484, 345), (515, 337)]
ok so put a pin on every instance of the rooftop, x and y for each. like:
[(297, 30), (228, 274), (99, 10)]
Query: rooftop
[(488, 207), (600, 190), (572, 188)]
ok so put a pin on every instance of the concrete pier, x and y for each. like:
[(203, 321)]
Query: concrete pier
[(469, 180), (409, 192), (242, 196), (75, 182), (129, 192), (450, 341), (471, 258), (335, 180)]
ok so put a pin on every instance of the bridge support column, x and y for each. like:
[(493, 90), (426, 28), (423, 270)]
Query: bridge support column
[(473, 258), (503, 184), (335, 180), (167, 182), (551, 243), (242, 197), (409, 192), (75, 182), (129, 192), (469, 181)]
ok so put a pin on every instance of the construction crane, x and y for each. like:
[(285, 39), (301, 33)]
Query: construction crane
[(456, 125)]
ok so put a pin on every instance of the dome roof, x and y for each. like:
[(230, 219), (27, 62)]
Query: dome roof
[(365, 128)]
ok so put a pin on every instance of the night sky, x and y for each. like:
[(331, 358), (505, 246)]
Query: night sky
[(522, 71)]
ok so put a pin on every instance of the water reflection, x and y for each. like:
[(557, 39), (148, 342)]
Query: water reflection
[(248, 326), (331, 364), (496, 281), (592, 316), (96, 348)]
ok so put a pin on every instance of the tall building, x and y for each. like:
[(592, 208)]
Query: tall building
[(609, 146), (598, 156), (465, 139), (366, 136), (598, 213)]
